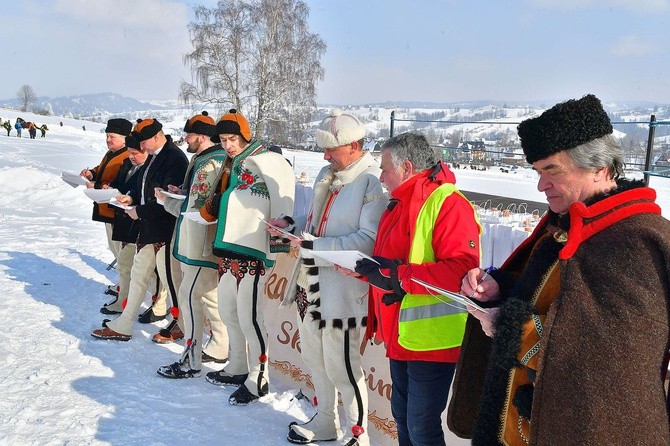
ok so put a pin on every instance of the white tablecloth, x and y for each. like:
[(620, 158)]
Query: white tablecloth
[(500, 239)]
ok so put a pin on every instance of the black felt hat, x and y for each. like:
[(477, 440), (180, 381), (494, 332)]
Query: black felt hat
[(201, 124), (232, 123), (146, 128), (564, 126), (132, 142)]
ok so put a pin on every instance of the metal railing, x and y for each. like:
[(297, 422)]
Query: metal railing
[(647, 168)]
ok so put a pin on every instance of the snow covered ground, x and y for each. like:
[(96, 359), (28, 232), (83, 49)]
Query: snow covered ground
[(60, 385)]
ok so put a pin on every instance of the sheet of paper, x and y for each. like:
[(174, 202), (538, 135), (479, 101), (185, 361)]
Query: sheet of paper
[(115, 202), (196, 217), (101, 195), (73, 179), (346, 259), (176, 196), (464, 300), (283, 231)]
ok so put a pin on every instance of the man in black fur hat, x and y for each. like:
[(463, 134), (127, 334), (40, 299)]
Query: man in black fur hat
[(579, 312), (104, 173)]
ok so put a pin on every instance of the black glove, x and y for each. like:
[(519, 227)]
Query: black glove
[(382, 274)]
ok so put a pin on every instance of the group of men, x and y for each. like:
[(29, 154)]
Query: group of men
[(573, 328), (154, 229)]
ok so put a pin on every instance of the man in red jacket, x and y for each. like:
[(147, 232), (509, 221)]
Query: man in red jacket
[(428, 232)]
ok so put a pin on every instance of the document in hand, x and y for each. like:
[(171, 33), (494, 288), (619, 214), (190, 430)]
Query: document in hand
[(115, 202), (73, 179), (464, 300), (282, 231), (101, 195), (345, 259), (196, 217), (176, 196)]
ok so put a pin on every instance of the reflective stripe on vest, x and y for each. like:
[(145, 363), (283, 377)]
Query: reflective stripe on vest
[(428, 322)]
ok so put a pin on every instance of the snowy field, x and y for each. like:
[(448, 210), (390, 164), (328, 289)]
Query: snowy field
[(61, 386)]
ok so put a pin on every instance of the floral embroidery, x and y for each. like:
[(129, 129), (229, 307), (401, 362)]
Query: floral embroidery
[(240, 268), (250, 181), (200, 188)]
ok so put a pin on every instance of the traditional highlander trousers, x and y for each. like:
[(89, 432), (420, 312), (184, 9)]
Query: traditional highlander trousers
[(166, 166), (103, 174), (125, 231), (192, 246), (332, 308), (261, 186)]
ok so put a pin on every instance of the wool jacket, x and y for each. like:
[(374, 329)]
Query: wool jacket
[(345, 213), (124, 228), (261, 186), (105, 173), (167, 167), (455, 245), (580, 338), (193, 240)]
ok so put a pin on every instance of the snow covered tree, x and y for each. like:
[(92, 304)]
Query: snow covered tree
[(257, 56), (26, 96)]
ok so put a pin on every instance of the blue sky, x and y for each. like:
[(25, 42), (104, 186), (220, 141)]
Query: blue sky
[(378, 50)]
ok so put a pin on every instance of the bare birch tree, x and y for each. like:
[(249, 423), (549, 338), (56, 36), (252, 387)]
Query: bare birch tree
[(259, 57), (26, 96)]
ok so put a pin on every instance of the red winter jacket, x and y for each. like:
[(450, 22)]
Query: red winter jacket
[(456, 247)]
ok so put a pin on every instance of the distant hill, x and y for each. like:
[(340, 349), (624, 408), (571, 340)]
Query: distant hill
[(86, 105)]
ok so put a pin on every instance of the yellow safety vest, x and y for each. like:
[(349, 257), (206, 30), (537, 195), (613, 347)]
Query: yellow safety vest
[(427, 322)]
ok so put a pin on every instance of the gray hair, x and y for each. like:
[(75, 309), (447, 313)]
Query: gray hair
[(603, 152), (411, 147)]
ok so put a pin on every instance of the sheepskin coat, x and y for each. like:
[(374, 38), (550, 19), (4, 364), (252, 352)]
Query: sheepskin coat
[(581, 336)]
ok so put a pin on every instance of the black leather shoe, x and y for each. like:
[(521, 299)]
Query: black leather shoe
[(207, 358), (149, 317), (105, 310)]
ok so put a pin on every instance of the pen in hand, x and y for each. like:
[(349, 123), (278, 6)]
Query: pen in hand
[(481, 279)]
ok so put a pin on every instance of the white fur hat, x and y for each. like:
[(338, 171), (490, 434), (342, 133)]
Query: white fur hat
[(339, 129)]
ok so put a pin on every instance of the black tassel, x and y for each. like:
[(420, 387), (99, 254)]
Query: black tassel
[(337, 323), (313, 270)]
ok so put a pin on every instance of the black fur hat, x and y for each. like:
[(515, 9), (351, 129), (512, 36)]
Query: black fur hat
[(119, 126), (564, 126)]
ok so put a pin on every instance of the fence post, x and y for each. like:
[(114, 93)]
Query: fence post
[(392, 123), (650, 148)]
